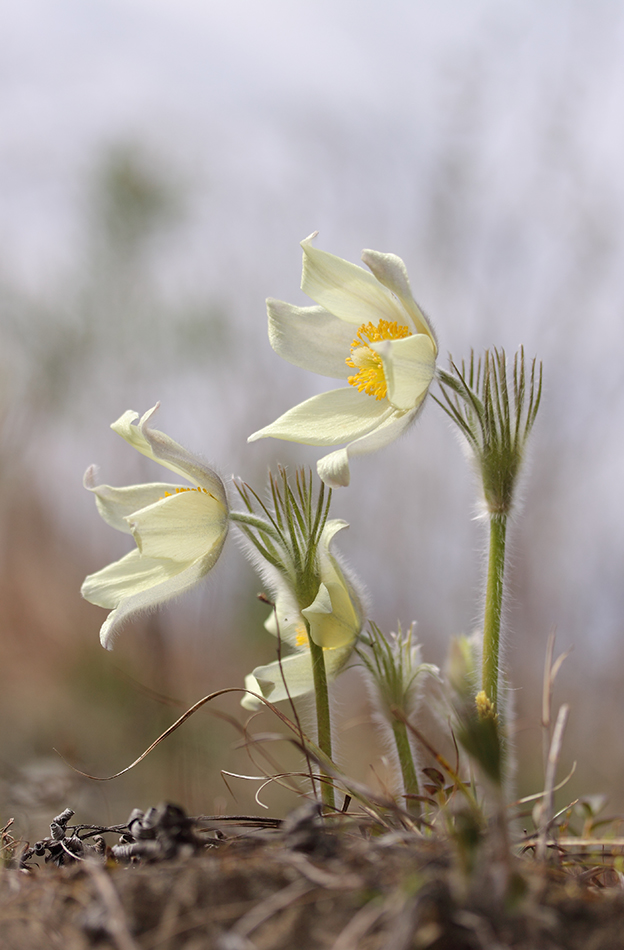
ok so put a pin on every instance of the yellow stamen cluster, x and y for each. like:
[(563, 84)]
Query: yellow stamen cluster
[(370, 378), (169, 494)]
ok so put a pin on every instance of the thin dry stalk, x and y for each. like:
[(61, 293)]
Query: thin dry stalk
[(550, 674), (547, 808)]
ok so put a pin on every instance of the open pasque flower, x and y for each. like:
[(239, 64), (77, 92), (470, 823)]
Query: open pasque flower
[(179, 531), (367, 329), (335, 618)]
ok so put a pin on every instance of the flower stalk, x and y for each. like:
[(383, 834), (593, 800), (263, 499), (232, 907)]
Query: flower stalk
[(396, 676), (495, 415), (323, 715), (406, 760), (493, 609), (317, 610)]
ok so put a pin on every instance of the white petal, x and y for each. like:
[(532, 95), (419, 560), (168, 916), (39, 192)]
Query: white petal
[(346, 290), (391, 272), (332, 617), (311, 338), (409, 367), (333, 469), (182, 527), (159, 447), (331, 529), (130, 575), (115, 504), (339, 595), (297, 671), (147, 583), (389, 430), (248, 701), (328, 419)]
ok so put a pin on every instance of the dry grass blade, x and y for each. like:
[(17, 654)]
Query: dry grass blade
[(534, 797), (551, 669), (546, 811), (164, 735), (176, 725)]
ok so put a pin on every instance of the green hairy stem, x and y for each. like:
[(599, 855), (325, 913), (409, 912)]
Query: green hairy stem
[(322, 714), (493, 608), (406, 761)]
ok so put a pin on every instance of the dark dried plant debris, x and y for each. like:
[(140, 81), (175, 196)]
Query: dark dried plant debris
[(171, 882)]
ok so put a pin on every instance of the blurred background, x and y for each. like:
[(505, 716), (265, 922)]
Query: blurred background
[(159, 163)]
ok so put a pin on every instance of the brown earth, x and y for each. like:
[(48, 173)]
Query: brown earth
[(172, 883)]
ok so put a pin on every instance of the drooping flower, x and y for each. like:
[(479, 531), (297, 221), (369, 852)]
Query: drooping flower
[(179, 531), (367, 329), (335, 617)]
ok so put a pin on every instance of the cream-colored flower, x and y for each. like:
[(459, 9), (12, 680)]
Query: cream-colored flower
[(179, 531), (335, 618), (367, 329)]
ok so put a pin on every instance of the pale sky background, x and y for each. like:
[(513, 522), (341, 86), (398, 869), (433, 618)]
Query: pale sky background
[(481, 141)]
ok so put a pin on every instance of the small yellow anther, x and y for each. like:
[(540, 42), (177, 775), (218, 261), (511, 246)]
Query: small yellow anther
[(169, 494), (485, 706)]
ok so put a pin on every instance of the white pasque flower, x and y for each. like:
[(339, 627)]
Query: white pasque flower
[(335, 618), (179, 531), (367, 329)]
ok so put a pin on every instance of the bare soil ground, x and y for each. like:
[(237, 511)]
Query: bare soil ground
[(173, 883)]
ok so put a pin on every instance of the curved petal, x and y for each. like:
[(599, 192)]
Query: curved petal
[(148, 583), (336, 615), (409, 366), (296, 670), (392, 273), (115, 504), (332, 617), (346, 290), (248, 701), (129, 576), (159, 447), (386, 433), (182, 527), (331, 529), (311, 338), (339, 415), (333, 469)]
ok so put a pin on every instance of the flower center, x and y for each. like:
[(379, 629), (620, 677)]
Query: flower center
[(370, 378)]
